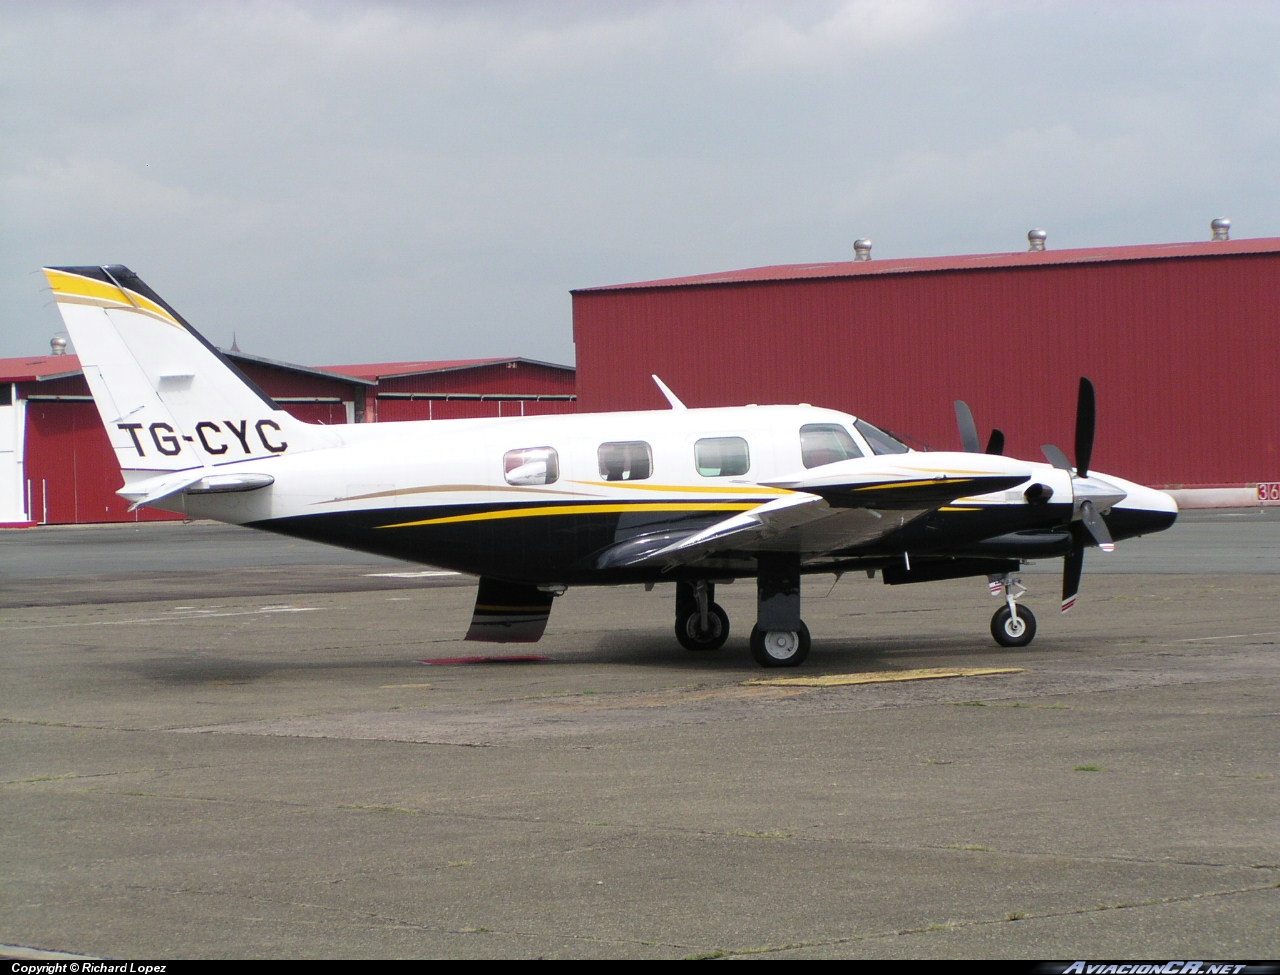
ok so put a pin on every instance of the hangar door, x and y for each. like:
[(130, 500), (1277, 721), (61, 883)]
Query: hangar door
[(72, 474)]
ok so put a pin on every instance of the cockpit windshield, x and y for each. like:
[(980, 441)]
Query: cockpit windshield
[(880, 442)]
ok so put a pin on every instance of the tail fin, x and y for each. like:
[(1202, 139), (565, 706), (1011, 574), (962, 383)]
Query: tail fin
[(169, 400)]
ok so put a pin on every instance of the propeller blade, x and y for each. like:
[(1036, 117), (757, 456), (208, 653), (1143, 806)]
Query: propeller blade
[(1055, 456), (995, 445), (1072, 569), (968, 429), (1096, 526), (1086, 416)]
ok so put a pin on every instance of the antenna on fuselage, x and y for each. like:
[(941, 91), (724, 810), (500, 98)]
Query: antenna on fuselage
[(672, 398)]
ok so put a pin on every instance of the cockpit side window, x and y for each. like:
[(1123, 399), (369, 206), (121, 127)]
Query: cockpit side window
[(531, 465), (826, 443), (881, 442), (721, 456), (630, 460)]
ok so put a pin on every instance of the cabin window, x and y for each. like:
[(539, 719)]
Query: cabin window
[(531, 465), (826, 443), (721, 456), (625, 461), (881, 442)]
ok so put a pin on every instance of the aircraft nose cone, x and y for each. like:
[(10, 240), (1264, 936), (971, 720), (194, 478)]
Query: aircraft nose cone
[(1144, 512)]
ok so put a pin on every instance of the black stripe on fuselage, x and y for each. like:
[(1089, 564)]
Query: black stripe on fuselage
[(530, 548)]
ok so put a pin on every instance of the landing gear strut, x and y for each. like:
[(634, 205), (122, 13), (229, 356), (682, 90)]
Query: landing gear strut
[(700, 623), (1012, 625), (780, 638)]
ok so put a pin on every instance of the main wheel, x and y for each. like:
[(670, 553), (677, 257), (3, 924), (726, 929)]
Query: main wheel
[(780, 648), (691, 635), (1013, 631)]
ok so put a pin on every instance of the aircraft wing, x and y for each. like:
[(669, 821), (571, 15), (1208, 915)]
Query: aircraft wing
[(835, 507)]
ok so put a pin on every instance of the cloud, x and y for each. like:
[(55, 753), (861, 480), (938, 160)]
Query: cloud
[(788, 37), (380, 174)]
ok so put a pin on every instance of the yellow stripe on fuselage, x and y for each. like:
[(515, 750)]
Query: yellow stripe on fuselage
[(578, 509), (748, 490), (932, 482), (87, 291)]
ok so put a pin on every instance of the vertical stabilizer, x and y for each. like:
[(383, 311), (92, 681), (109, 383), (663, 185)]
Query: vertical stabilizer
[(169, 400)]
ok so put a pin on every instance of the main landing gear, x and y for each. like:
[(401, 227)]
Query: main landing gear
[(1012, 625), (780, 648), (779, 638), (700, 623)]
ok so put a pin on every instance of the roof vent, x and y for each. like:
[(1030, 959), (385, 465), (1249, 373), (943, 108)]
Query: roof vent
[(57, 345), (862, 249), (1221, 228), (1036, 239)]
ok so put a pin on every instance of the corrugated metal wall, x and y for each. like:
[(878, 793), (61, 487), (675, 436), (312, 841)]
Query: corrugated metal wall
[(1182, 350), (71, 471), (501, 389)]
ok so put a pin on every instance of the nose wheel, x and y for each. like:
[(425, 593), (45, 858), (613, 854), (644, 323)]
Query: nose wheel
[(1013, 626)]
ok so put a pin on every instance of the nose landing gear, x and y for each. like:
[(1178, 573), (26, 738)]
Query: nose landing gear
[(1012, 625)]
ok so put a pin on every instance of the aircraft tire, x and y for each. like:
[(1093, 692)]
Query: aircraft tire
[(1007, 633), (780, 648), (691, 638)]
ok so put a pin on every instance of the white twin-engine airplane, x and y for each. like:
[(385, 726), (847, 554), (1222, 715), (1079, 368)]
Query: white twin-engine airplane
[(533, 505)]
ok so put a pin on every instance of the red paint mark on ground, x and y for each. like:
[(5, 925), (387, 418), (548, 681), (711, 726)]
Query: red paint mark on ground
[(521, 659)]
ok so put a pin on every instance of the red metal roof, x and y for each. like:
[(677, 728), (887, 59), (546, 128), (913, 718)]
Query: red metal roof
[(908, 265), (39, 368), (387, 370), (35, 368), (26, 369)]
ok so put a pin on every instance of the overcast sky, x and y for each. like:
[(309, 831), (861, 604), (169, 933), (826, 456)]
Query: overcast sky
[(355, 182)]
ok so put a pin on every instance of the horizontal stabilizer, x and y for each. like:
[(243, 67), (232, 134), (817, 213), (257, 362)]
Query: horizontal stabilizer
[(197, 481), (509, 612)]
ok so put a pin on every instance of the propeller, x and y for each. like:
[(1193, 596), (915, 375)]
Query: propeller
[(968, 429), (969, 432), (1087, 524), (1086, 418)]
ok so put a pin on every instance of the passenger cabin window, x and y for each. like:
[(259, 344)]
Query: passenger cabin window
[(721, 456), (626, 461), (826, 443), (531, 465), (881, 442)]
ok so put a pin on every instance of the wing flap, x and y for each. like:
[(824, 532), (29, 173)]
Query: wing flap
[(509, 612)]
